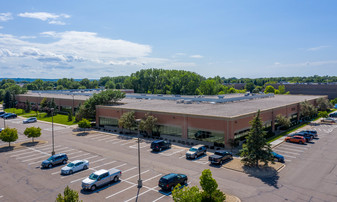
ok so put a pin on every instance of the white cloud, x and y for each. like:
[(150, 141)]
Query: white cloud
[(44, 16), (307, 63), (5, 16), (317, 48), (196, 56)]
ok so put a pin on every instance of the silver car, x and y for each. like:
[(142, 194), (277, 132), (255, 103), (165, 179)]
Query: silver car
[(75, 166), (196, 151), (30, 120)]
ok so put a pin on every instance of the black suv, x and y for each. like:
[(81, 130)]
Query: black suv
[(54, 160), (159, 145), (169, 181)]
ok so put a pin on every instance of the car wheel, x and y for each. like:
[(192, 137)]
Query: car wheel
[(64, 161), (195, 156), (185, 182), (85, 167), (287, 140), (160, 149), (70, 172), (93, 187), (116, 178), (50, 165)]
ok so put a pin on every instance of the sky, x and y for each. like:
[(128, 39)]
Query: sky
[(226, 38)]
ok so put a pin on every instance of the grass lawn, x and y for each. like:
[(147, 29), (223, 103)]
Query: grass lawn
[(59, 118)]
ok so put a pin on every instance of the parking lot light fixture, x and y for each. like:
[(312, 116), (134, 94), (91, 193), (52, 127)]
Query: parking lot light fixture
[(52, 129), (140, 184)]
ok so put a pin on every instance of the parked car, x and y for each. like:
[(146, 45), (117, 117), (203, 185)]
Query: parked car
[(1, 113), (159, 145), (10, 116), (313, 132), (219, 157), (278, 157), (169, 181), (296, 139), (30, 120), (196, 151), (333, 114), (75, 166), (329, 120), (100, 178), (4, 114), (1, 129), (54, 160), (308, 137)]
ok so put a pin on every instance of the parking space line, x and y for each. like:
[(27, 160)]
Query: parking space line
[(293, 146), (74, 153), (57, 146), (159, 198), (291, 149), (40, 157), (287, 160), (128, 142), (141, 194), (104, 164), (184, 156), (22, 157), (91, 157), (286, 155), (287, 152), (80, 155), (137, 175), (95, 136), (172, 153), (15, 152), (136, 146), (97, 160), (129, 169), (68, 150), (120, 165), (1, 196)]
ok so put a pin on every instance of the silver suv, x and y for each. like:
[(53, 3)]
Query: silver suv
[(196, 151)]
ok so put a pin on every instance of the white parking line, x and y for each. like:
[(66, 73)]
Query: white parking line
[(170, 154), (68, 150), (296, 146), (287, 152), (104, 164), (286, 155), (108, 138), (74, 153), (91, 157), (40, 157), (15, 152), (184, 156), (290, 149), (1, 196), (128, 169), (132, 142), (287, 160), (80, 155), (120, 165), (22, 157), (50, 146), (97, 161), (117, 141), (95, 136), (136, 146), (137, 175), (141, 194)]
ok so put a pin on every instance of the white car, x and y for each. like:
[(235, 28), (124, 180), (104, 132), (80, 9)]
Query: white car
[(75, 166), (30, 120)]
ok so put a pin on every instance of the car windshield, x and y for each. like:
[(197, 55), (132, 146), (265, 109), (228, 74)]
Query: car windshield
[(93, 176), (193, 149), (71, 165), (50, 158)]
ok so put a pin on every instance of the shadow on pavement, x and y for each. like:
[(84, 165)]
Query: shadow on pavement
[(268, 175), (6, 149)]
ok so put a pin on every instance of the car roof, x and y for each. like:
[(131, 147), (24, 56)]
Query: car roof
[(168, 176), (60, 154), (158, 141), (197, 146), (76, 161)]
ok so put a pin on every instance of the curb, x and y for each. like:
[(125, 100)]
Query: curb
[(49, 122)]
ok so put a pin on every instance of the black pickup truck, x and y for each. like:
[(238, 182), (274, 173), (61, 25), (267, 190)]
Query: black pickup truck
[(219, 157)]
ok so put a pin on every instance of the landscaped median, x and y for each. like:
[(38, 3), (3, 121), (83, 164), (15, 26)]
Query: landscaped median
[(263, 171), (21, 145)]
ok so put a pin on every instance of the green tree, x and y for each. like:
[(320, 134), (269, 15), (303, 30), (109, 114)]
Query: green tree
[(210, 188), (28, 107), (186, 194), (88, 108), (127, 120), (8, 100), (256, 149), (323, 104), (148, 123), (307, 110), (323, 114), (44, 103), (70, 116), (282, 89), (334, 101), (269, 89), (69, 196), (9, 135), (32, 132), (283, 121), (250, 86), (84, 123)]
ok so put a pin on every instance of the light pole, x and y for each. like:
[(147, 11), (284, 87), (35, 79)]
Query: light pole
[(140, 183), (52, 129), (73, 105)]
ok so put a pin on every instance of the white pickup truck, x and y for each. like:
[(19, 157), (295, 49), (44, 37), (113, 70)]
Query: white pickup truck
[(100, 178)]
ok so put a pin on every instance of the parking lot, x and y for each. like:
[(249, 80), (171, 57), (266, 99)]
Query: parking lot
[(21, 168)]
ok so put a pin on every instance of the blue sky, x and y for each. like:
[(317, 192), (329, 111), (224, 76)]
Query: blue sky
[(92, 39)]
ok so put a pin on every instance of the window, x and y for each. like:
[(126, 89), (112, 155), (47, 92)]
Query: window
[(206, 135), (170, 130), (108, 122)]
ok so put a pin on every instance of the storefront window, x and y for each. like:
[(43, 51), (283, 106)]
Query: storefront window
[(169, 130), (108, 122), (206, 135)]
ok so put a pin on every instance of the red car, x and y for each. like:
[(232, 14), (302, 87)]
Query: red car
[(296, 138)]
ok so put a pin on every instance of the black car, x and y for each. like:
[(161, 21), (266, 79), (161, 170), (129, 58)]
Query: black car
[(159, 145), (1, 113), (169, 181), (4, 114), (10, 116), (54, 160), (313, 132), (333, 114), (220, 156)]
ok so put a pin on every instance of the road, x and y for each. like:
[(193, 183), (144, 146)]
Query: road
[(310, 173)]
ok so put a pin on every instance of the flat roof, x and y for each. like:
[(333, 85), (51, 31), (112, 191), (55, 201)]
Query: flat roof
[(224, 110)]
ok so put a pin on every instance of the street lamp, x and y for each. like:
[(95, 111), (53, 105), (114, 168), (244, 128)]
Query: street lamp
[(140, 183), (52, 129)]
